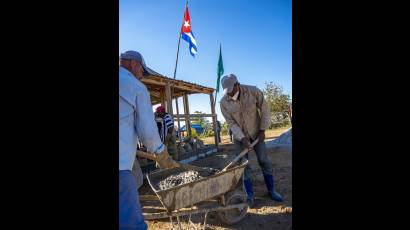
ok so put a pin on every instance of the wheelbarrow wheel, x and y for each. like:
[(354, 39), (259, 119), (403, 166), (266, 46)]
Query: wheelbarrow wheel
[(233, 216)]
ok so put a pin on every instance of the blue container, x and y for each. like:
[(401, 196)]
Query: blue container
[(198, 128)]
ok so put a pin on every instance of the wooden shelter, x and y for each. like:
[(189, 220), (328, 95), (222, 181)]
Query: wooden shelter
[(164, 90)]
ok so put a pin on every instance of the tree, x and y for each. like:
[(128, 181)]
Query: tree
[(225, 128), (278, 103), (199, 120)]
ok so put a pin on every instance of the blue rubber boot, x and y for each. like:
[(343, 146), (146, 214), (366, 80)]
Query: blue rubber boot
[(271, 189), (249, 191)]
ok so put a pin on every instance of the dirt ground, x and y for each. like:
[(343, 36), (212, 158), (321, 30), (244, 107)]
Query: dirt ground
[(266, 214)]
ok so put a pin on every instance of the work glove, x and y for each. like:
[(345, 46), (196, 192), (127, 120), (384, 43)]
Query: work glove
[(165, 161), (261, 135), (246, 144)]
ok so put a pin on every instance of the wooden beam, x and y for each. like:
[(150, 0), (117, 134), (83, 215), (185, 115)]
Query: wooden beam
[(162, 99), (178, 118), (155, 97), (194, 115), (178, 94), (211, 97), (187, 118), (168, 99), (161, 81), (156, 94)]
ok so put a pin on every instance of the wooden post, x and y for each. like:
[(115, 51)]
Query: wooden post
[(179, 124), (162, 95), (187, 118), (168, 97), (211, 97)]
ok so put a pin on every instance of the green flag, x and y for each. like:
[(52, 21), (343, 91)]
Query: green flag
[(220, 70)]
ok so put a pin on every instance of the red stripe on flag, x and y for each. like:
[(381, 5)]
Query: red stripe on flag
[(186, 26)]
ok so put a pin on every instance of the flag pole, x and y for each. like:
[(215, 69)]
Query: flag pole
[(179, 42), (176, 64), (216, 91), (216, 94)]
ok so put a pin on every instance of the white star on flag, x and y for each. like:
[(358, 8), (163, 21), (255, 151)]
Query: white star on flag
[(186, 24)]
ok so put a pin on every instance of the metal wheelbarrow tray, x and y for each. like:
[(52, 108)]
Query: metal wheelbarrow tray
[(186, 195)]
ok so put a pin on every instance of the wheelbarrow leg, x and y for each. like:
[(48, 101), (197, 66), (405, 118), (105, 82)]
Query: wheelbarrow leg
[(172, 223), (206, 215), (179, 223)]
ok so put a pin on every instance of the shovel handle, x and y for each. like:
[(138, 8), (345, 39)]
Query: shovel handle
[(245, 151)]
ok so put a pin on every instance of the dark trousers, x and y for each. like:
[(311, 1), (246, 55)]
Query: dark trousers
[(264, 160)]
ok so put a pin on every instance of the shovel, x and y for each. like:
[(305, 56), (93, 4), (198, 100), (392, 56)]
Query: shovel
[(245, 151), (151, 156)]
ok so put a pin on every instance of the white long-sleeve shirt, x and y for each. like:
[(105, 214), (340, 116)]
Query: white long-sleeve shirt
[(136, 120)]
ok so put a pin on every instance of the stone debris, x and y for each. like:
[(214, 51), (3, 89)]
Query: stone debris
[(179, 179)]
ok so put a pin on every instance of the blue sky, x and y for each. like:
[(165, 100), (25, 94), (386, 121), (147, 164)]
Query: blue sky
[(256, 38)]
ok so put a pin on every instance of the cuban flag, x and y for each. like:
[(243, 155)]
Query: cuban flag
[(187, 34)]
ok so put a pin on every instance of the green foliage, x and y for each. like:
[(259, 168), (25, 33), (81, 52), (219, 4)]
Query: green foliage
[(225, 128), (278, 103), (203, 122), (208, 131)]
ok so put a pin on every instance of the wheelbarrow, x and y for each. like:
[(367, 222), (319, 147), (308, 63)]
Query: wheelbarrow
[(222, 192)]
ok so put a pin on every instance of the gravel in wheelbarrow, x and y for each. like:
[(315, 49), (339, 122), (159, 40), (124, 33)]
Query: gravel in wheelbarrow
[(181, 176), (178, 179)]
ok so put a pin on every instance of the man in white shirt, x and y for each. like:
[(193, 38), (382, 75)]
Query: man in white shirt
[(136, 122)]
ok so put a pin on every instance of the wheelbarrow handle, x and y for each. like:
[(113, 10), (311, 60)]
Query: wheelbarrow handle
[(143, 154), (245, 151), (152, 156)]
